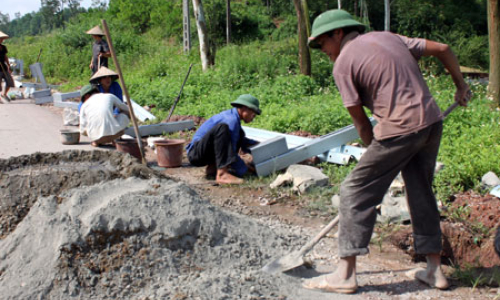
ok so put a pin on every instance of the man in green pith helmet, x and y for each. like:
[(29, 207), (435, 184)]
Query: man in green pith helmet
[(218, 142), (379, 71)]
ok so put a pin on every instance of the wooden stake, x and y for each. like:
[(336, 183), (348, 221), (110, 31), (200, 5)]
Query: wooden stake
[(125, 91)]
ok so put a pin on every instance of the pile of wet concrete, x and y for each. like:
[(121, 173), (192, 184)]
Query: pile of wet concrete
[(99, 225)]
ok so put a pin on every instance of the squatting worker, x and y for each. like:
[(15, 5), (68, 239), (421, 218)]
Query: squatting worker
[(5, 70), (379, 71), (96, 116), (105, 82), (218, 141), (100, 50)]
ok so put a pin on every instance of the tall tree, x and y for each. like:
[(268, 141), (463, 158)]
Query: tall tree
[(494, 37), (304, 54), (49, 11), (4, 19), (201, 25)]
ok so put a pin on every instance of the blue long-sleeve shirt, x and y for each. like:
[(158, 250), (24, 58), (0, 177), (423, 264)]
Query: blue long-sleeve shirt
[(114, 89), (238, 139)]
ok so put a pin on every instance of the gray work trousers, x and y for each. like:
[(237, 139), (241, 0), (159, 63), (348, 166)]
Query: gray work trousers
[(414, 155)]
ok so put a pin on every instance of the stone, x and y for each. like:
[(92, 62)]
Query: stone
[(336, 201), (282, 179), (490, 180), (394, 209), (305, 177)]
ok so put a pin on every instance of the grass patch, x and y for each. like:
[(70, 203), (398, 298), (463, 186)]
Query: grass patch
[(476, 277)]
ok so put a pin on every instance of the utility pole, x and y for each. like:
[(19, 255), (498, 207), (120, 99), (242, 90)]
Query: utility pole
[(387, 20), (186, 26), (228, 21)]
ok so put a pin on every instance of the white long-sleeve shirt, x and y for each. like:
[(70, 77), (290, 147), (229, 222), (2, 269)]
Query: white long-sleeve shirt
[(97, 119)]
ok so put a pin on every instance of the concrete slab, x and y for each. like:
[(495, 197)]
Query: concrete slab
[(160, 128), (269, 148)]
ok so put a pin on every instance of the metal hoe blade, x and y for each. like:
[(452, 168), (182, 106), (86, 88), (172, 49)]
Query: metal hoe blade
[(296, 258)]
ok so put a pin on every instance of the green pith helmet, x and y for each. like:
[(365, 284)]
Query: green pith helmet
[(331, 20), (248, 101), (87, 89)]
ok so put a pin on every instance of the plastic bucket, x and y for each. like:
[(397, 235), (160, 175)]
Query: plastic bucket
[(129, 146), (169, 153), (69, 137)]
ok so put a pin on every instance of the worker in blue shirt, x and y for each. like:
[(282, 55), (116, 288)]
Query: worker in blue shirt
[(218, 141)]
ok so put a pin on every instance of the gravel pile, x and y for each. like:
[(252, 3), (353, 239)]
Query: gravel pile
[(110, 228)]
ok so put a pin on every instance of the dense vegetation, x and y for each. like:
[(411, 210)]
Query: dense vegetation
[(262, 60)]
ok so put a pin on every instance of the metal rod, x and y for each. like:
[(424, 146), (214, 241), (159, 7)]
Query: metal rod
[(179, 96), (39, 53), (125, 91)]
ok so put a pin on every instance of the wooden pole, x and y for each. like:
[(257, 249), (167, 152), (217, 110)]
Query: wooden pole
[(494, 41), (125, 91)]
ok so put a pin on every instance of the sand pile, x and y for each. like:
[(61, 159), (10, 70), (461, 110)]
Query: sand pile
[(105, 227)]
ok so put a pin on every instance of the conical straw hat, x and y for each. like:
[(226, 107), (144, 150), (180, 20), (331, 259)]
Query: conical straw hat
[(95, 31), (3, 35), (103, 72)]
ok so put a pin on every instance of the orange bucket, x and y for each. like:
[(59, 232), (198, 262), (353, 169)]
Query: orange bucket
[(169, 152), (129, 146)]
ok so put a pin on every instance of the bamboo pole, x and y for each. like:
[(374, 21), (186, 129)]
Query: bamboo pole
[(125, 91)]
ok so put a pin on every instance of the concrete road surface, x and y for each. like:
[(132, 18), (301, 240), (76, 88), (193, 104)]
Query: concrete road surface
[(26, 128)]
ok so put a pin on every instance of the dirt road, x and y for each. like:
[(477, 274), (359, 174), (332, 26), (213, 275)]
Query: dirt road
[(27, 128)]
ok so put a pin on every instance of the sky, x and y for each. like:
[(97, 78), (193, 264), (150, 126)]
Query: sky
[(26, 6)]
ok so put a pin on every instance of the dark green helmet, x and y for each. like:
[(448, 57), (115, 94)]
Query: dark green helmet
[(248, 101), (331, 20)]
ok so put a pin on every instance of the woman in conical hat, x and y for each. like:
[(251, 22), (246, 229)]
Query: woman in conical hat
[(105, 81), (5, 70), (100, 50)]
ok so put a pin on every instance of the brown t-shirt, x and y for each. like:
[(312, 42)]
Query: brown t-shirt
[(379, 70)]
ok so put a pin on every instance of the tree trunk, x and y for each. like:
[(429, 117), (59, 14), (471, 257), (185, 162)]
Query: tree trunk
[(304, 55), (387, 20), (339, 4), (305, 11), (202, 34), (494, 39)]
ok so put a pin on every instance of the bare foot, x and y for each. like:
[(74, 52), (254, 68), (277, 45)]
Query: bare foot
[(433, 277), (5, 99), (332, 283), (94, 144), (224, 177)]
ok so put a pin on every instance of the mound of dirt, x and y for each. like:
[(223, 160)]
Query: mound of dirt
[(25, 178), (196, 119), (102, 226), (469, 242)]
